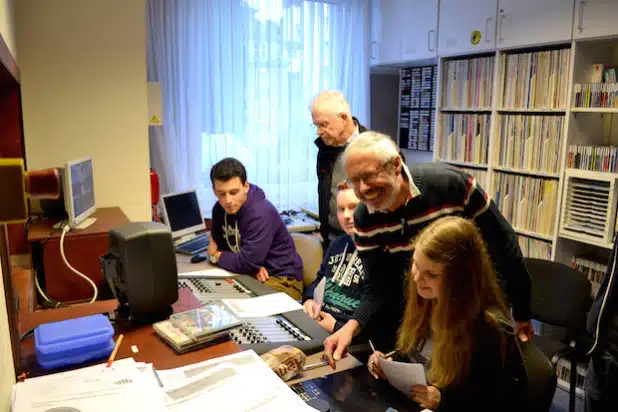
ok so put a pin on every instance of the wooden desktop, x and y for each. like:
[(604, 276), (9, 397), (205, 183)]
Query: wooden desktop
[(150, 347), (82, 248)]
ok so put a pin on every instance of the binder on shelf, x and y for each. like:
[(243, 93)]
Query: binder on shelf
[(528, 203), (529, 142), (468, 83), (535, 80)]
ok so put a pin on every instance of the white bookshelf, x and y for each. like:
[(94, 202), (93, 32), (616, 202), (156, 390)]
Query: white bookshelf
[(531, 111), (465, 110), (510, 99), (464, 116), (593, 110), (588, 128)]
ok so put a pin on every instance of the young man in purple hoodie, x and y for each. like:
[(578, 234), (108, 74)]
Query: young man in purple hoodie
[(248, 235)]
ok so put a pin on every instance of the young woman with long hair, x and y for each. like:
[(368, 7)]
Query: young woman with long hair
[(457, 320)]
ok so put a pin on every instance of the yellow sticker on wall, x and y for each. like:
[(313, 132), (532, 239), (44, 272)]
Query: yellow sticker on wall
[(475, 38)]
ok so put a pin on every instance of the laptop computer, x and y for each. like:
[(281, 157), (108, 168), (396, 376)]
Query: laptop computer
[(183, 216), (354, 390)]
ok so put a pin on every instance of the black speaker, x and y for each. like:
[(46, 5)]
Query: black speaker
[(140, 268)]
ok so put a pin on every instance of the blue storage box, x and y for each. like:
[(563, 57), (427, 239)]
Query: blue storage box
[(73, 341)]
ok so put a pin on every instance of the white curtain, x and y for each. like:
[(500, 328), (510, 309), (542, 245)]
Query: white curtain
[(237, 77)]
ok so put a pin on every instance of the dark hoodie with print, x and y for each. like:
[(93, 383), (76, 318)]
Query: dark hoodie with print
[(260, 236), (345, 276)]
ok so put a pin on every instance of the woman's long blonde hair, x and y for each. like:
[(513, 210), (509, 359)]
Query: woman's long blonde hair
[(469, 289)]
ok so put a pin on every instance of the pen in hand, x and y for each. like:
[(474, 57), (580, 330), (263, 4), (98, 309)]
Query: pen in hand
[(373, 348)]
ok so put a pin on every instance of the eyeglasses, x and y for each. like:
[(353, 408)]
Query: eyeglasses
[(368, 176)]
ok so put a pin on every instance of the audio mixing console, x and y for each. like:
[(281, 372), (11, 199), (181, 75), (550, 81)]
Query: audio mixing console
[(294, 328)]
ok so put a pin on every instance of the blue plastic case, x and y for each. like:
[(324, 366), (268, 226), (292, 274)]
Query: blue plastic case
[(73, 341)]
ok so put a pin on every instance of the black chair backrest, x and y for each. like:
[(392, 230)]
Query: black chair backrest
[(541, 377), (560, 295)]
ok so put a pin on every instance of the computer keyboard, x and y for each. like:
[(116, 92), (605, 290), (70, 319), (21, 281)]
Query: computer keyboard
[(193, 246)]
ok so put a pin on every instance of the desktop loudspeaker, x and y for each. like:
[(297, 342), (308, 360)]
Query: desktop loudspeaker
[(141, 271)]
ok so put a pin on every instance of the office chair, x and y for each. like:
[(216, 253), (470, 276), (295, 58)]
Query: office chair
[(560, 296), (310, 250), (541, 375)]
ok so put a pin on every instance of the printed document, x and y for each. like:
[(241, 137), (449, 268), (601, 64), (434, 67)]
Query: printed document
[(403, 375), (262, 306)]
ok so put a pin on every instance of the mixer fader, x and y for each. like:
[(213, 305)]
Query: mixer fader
[(260, 334)]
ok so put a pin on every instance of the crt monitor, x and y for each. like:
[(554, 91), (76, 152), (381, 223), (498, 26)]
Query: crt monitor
[(182, 213), (79, 192)]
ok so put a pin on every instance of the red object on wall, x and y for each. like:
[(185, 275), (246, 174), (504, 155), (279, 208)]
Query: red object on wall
[(155, 193)]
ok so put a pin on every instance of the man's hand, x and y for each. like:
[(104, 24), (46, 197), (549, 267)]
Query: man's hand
[(524, 330), (336, 345), (262, 275), (212, 247), (327, 321), (428, 397), (311, 308)]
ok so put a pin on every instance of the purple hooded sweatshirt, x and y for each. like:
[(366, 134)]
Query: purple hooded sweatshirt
[(259, 237)]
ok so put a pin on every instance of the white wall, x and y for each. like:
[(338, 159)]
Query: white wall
[(6, 25), (84, 93), (7, 370)]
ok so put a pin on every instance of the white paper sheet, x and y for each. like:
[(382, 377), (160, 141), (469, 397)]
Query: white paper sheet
[(318, 295), (222, 382), (123, 387), (403, 375), (214, 272), (182, 375), (262, 306)]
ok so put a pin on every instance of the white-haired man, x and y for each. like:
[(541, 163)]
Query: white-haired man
[(397, 203), (335, 127)]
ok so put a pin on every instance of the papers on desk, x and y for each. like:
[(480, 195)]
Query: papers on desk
[(403, 375), (126, 386), (240, 382), (213, 272), (262, 306)]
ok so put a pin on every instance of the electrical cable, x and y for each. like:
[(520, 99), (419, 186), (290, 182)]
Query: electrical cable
[(38, 287), (65, 229), (51, 302)]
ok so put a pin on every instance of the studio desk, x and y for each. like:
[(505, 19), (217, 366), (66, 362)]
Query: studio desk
[(294, 328), (82, 248)]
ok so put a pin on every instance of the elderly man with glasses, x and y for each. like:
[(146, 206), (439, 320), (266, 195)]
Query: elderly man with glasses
[(397, 203), (335, 127)]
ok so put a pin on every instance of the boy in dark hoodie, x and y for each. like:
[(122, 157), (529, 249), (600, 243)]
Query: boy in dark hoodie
[(248, 235), (342, 268)]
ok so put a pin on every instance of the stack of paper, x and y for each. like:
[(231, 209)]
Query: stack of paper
[(125, 386), (132, 386)]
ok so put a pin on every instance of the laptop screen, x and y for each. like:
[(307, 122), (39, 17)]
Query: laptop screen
[(183, 212)]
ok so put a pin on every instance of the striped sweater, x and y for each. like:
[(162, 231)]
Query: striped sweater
[(383, 241)]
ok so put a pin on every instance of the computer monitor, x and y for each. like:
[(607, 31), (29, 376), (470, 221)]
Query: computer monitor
[(79, 192), (182, 213)]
